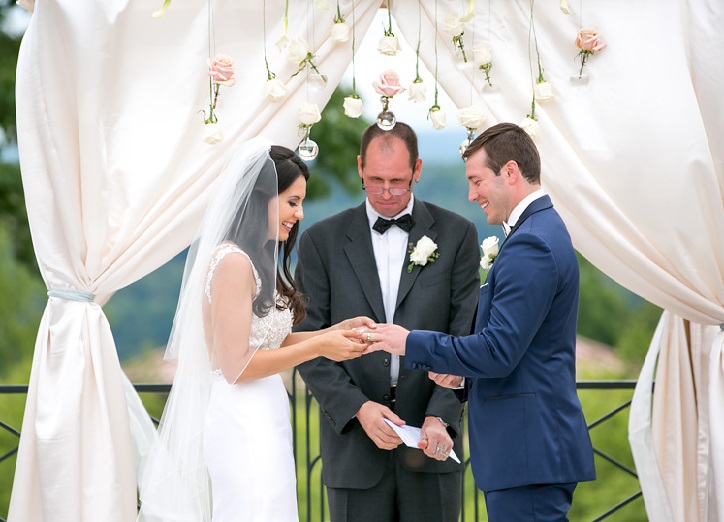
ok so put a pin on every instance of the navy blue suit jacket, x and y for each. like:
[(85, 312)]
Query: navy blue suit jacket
[(526, 425)]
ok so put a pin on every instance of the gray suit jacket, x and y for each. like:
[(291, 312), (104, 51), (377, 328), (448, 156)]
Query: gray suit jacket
[(337, 272)]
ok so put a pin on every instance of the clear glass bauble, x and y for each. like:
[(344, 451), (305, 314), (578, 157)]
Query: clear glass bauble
[(386, 120), (308, 149), (316, 81), (467, 141)]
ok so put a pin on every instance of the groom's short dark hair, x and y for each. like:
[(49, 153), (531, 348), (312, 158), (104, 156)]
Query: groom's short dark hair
[(504, 142), (401, 130)]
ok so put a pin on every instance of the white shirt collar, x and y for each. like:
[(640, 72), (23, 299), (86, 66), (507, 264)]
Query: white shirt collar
[(372, 214), (520, 207)]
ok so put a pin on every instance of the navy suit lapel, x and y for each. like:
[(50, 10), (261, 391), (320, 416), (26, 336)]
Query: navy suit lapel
[(537, 205), (423, 221), (362, 259)]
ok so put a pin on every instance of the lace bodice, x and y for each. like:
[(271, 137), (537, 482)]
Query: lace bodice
[(268, 332)]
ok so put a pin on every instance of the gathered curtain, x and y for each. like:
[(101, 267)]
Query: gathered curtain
[(116, 175)]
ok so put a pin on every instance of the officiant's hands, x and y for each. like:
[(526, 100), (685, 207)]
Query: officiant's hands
[(435, 441), (388, 337), (372, 417)]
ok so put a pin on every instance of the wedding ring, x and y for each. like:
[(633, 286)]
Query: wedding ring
[(369, 337), (438, 450)]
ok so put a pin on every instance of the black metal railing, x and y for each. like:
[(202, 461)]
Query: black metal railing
[(312, 495)]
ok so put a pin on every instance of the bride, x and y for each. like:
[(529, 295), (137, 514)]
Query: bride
[(225, 433)]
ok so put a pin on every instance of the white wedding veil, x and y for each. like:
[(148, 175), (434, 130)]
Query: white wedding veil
[(174, 484)]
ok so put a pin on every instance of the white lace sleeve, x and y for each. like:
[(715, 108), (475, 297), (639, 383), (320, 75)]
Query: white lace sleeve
[(221, 252)]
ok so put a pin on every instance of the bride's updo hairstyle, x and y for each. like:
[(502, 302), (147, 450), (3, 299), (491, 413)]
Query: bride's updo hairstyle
[(249, 230)]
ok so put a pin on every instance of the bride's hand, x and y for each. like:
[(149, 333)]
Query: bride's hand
[(355, 322), (341, 345)]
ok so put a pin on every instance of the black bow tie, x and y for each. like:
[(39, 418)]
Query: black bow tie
[(404, 222)]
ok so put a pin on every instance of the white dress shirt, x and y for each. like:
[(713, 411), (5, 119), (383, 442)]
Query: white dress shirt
[(390, 250), (520, 207)]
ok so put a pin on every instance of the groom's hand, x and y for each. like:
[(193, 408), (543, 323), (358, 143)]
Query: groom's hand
[(446, 380), (388, 337), (372, 417)]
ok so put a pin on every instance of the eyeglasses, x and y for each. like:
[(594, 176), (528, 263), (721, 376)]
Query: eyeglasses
[(394, 191)]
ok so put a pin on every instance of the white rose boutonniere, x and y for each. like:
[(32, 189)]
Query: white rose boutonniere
[(490, 252), (423, 252)]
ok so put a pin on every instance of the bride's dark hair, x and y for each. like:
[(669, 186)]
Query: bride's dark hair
[(288, 168)]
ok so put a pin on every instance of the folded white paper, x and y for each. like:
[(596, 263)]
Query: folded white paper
[(410, 436)]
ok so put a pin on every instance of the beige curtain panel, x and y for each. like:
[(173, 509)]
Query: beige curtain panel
[(116, 172)]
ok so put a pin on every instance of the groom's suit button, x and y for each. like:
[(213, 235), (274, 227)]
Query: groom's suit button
[(386, 362)]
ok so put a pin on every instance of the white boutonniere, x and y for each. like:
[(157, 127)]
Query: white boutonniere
[(423, 252), (490, 252)]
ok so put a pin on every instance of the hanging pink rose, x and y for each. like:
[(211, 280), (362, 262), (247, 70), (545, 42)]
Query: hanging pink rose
[(221, 70), (589, 40), (389, 84)]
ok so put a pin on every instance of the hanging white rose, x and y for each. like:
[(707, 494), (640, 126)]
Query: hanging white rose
[(543, 92), (274, 90), (564, 7), (531, 126), (417, 92), (438, 118), (340, 32), (452, 25), (309, 114), (352, 106), (297, 50), (212, 133), (388, 45), (472, 117), (482, 55)]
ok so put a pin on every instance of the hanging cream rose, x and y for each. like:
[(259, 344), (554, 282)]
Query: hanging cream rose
[(212, 133), (388, 45), (388, 84), (482, 55), (340, 32), (29, 5), (453, 26), (297, 50), (564, 7), (437, 117), (472, 117), (274, 90), (308, 114), (543, 92), (352, 106), (531, 126), (417, 92)]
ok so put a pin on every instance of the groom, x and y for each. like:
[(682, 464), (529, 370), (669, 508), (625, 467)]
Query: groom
[(528, 439)]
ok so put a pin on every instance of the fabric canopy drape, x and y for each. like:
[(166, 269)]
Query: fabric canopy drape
[(116, 175), (633, 160)]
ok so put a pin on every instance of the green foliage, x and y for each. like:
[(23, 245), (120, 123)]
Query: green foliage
[(14, 217), (338, 137), (610, 314), (9, 46), (20, 307)]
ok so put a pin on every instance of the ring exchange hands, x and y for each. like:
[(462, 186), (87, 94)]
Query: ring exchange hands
[(372, 417), (446, 380), (388, 337), (435, 441)]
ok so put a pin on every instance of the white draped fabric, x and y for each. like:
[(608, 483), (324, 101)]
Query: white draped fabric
[(116, 174)]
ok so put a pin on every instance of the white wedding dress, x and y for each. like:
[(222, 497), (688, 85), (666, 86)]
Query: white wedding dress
[(248, 433)]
